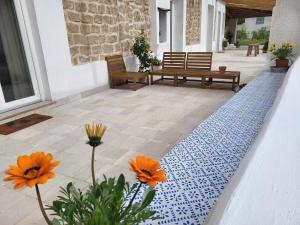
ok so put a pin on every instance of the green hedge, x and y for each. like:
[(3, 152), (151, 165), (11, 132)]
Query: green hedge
[(254, 41)]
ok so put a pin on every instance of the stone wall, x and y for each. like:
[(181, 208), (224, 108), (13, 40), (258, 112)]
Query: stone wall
[(99, 28), (193, 22)]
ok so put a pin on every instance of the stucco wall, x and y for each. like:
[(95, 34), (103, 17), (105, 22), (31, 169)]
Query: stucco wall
[(100, 28), (286, 22)]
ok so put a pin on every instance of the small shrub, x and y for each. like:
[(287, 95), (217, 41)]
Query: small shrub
[(141, 48), (266, 46), (242, 34), (224, 43)]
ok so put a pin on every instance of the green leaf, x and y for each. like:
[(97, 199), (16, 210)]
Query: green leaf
[(147, 198), (56, 222)]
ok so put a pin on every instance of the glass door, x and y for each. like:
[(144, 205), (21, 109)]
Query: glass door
[(17, 81)]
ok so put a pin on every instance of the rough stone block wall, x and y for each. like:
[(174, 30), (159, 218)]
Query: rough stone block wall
[(99, 28), (193, 21)]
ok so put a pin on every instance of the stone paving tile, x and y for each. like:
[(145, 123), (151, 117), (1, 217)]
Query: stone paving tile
[(149, 121)]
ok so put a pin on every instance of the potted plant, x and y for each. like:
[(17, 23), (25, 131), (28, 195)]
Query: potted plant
[(155, 63), (266, 46), (141, 48), (237, 43), (224, 43), (282, 54)]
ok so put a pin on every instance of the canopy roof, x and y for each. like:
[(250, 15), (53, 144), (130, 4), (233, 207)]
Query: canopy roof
[(249, 8)]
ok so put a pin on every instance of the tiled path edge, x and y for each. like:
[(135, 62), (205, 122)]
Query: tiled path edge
[(201, 165)]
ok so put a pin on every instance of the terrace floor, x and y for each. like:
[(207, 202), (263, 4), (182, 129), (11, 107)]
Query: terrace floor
[(149, 121)]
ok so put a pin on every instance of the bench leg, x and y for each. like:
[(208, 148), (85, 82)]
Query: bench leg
[(151, 79), (147, 80), (175, 81), (233, 84), (203, 80), (135, 85)]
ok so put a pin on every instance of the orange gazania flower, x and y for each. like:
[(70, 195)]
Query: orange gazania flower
[(147, 170), (31, 170)]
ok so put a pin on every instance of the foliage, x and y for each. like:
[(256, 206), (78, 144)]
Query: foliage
[(266, 46), (224, 43), (285, 51), (141, 48), (155, 61), (241, 34), (263, 33), (104, 204), (252, 41), (237, 43), (240, 21)]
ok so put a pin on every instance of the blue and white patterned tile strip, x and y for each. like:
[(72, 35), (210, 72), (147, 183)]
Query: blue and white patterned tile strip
[(200, 166)]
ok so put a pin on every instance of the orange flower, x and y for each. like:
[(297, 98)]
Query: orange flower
[(31, 170), (147, 170)]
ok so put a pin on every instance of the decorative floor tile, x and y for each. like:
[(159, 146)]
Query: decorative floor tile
[(202, 164)]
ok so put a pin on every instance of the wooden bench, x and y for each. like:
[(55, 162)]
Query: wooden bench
[(173, 63), (197, 68), (119, 77)]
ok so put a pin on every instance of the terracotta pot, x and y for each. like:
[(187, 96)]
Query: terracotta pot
[(282, 63), (222, 69)]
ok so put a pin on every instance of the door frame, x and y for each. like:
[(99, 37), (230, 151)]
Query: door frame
[(25, 29)]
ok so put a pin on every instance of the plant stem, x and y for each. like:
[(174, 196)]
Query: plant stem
[(41, 205), (132, 199), (93, 167)]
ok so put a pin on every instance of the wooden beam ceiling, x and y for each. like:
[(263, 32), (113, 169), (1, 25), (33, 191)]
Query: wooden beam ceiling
[(266, 5), (233, 12)]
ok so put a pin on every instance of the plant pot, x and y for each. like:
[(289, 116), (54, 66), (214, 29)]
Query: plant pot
[(282, 63), (222, 69), (154, 67)]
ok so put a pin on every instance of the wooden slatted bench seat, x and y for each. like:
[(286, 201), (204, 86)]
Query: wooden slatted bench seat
[(197, 68), (118, 76), (173, 63)]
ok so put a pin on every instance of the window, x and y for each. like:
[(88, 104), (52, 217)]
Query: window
[(260, 20), (162, 25)]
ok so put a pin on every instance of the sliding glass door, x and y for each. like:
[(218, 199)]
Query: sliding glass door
[(17, 80)]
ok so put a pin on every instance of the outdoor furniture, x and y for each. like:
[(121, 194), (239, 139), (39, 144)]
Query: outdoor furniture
[(197, 62), (173, 63), (118, 76), (254, 47), (210, 77), (227, 77)]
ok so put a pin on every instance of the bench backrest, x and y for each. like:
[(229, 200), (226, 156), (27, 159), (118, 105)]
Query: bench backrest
[(199, 60), (174, 60), (115, 65)]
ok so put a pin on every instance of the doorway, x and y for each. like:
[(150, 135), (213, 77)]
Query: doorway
[(18, 85), (210, 26)]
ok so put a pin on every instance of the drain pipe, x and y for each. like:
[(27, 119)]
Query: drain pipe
[(171, 26)]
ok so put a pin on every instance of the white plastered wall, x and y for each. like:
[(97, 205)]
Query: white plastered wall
[(61, 78), (286, 22)]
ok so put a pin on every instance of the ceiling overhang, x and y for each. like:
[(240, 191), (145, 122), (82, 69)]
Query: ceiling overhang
[(249, 8)]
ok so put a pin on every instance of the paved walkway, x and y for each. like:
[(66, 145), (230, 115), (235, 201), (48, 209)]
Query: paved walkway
[(149, 121)]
